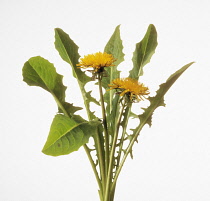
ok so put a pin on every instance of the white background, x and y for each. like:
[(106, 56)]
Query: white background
[(172, 159)]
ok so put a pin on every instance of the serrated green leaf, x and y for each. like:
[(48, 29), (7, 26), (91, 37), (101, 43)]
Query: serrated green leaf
[(114, 47), (92, 99), (158, 99), (68, 51), (126, 116), (141, 56), (155, 102), (66, 47), (38, 71), (66, 136), (143, 52), (70, 108)]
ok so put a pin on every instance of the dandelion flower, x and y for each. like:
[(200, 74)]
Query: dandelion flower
[(97, 61), (132, 88)]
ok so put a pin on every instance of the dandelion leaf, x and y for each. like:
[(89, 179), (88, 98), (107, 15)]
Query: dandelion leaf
[(68, 51), (143, 52), (66, 136), (70, 108), (158, 99), (38, 71), (115, 47)]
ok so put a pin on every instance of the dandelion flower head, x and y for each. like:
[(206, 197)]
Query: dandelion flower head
[(132, 88), (97, 61)]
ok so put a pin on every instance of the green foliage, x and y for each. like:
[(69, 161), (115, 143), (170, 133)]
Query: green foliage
[(141, 56), (115, 47), (66, 136), (66, 47), (37, 71), (68, 51), (158, 99), (143, 52), (68, 131)]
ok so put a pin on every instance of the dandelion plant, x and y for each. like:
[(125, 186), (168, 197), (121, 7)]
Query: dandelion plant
[(113, 138)]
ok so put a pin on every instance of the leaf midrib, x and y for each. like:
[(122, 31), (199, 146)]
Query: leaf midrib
[(65, 49), (64, 135), (141, 64)]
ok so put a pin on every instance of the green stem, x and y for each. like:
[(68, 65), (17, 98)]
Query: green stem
[(112, 193), (61, 106), (100, 154), (126, 154), (93, 166), (106, 135), (126, 117), (112, 158), (85, 146)]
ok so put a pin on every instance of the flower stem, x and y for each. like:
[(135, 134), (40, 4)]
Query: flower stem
[(106, 135), (87, 150), (126, 154), (101, 159), (112, 157), (126, 117), (93, 166)]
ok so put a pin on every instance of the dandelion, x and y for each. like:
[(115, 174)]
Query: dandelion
[(134, 90), (97, 61)]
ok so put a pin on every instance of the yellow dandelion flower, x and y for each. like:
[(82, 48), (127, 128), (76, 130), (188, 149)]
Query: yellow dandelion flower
[(132, 88), (97, 61)]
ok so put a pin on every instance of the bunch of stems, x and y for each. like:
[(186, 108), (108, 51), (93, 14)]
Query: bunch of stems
[(110, 158)]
